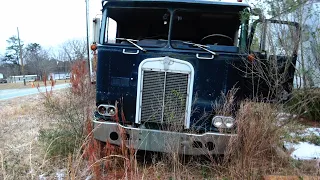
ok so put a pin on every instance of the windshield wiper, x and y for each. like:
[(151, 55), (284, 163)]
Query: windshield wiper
[(132, 41), (204, 47)]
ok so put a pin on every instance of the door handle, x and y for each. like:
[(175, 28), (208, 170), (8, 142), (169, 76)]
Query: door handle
[(200, 57), (124, 51)]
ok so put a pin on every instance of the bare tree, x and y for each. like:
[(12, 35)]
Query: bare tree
[(282, 49), (37, 60), (74, 49), (306, 14)]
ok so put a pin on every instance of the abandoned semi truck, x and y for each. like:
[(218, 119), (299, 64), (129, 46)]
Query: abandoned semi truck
[(162, 64)]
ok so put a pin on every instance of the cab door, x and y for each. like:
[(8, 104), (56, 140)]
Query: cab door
[(274, 46)]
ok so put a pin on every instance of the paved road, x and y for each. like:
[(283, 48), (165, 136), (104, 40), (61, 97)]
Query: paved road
[(13, 93)]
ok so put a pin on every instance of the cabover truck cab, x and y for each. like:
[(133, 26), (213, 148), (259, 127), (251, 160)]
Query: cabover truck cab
[(163, 64)]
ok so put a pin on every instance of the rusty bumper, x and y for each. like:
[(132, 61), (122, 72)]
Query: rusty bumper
[(161, 141)]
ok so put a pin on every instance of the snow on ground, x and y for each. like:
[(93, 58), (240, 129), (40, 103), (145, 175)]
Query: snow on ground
[(309, 131), (304, 150), (300, 150), (285, 116)]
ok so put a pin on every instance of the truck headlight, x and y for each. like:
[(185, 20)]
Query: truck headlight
[(218, 122), (106, 110), (223, 122), (229, 122)]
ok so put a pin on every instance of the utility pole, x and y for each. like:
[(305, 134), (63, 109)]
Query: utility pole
[(22, 65), (88, 43)]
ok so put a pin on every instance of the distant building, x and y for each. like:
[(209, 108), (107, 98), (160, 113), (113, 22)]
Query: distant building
[(15, 79), (1, 76), (57, 76)]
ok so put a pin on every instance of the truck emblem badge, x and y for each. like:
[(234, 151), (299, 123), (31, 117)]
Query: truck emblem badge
[(167, 61)]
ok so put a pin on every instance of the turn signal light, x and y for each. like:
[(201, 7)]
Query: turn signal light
[(251, 57), (93, 47)]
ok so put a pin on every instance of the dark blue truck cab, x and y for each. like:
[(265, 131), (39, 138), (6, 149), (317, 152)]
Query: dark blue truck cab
[(162, 65)]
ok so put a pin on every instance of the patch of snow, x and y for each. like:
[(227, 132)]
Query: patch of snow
[(89, 177), (307, 132), (303, 150), (60, 174), (42, 177), (315, 131), (285, 116)]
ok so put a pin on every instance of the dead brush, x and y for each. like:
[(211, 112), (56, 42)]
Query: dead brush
[(103, 160), (83, 155), (69, 111), (254, 151), (226, 104)]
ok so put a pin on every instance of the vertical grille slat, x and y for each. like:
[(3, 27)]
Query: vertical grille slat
[(152, 96), (164, 96), (175, 98)]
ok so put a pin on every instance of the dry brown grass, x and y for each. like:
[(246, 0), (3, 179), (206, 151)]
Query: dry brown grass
[(257, 150), (20, 122), (253, 153)]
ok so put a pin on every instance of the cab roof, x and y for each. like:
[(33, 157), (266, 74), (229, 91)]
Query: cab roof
[(197, 2)]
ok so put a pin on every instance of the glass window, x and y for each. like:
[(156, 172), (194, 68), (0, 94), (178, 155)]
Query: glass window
[(144, 26), (207, 28), (275, 38)]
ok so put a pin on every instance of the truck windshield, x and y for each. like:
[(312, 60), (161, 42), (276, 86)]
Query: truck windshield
[(205, 28), (145, 27)]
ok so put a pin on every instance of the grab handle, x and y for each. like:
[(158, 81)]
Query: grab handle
[(200, 57), (124, 51)]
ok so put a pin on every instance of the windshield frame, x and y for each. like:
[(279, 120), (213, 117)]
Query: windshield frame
[(243, 32)]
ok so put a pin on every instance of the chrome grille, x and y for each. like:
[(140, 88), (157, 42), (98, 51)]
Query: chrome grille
[(164, 97)]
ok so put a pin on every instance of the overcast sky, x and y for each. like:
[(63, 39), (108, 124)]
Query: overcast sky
[(47, 22)]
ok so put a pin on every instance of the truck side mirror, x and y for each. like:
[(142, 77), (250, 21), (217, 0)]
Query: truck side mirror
[(96, 30), (256, 12)]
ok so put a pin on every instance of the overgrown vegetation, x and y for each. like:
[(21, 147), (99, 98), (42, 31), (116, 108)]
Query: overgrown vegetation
[(256, 151), (305, 103), (69, 112)]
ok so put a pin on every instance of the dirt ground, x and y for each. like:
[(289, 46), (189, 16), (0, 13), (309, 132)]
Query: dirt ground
[(21, 156)]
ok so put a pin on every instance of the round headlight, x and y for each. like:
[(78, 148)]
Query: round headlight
[(111, 111), (102, 110), (107, 110), (229, 122), (217, 122)]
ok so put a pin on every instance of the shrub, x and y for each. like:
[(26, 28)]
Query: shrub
[(305, 103), (254, 151), (69, 114)]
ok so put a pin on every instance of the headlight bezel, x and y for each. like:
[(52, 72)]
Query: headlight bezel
[(228, 122), (109, 110)]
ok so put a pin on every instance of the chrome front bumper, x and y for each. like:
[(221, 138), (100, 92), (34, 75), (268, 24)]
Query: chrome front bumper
[(161, 141)]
